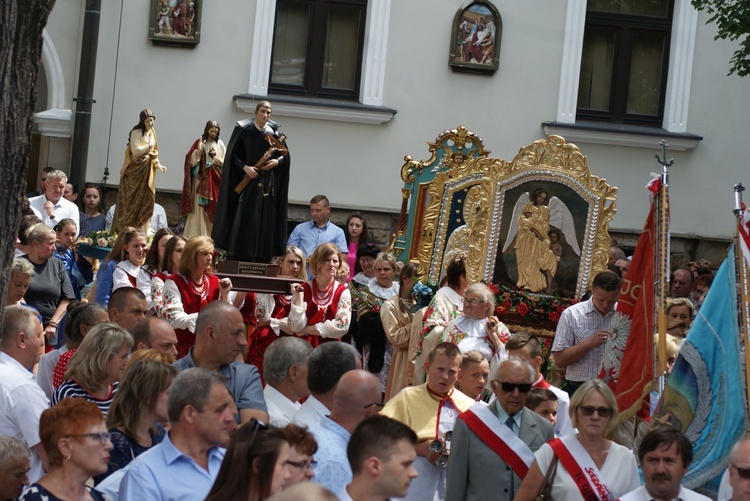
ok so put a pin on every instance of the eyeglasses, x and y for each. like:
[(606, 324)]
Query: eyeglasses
[(511, 387), (473, 302), (303, 465), (379, 405), (103, 436), (744, 473), (588, 410)]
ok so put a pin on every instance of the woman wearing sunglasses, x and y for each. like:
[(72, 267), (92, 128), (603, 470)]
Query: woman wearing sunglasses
[(254, 466), (77, 444), (604, 469)]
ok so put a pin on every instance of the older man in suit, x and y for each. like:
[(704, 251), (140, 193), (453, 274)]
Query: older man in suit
[(493, 445)]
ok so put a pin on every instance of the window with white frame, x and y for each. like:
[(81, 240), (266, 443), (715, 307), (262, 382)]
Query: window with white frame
[(318, 48), (624, 61)]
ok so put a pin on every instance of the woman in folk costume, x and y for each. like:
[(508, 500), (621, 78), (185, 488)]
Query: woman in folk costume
[(268, 312), (321, 308), (186, 293), (397, 314), (135, 203), (129, 272), (446, 305), (203, 167), (431, 410), (371, 337), (364, 270)]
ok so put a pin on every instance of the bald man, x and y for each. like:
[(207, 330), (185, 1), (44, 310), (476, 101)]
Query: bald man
[(357, 397), (156, 333)]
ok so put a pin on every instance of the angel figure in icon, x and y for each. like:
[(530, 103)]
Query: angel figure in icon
[(537, 229)]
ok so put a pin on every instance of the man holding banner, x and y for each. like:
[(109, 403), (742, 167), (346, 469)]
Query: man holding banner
[(494, 445)]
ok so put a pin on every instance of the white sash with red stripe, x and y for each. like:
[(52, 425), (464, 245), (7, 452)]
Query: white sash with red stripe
[(581, 468), (498, 437)]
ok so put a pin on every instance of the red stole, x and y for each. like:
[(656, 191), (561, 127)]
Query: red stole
[(542, 383), (498, 437), (590, 483), (315, 315), (192, 303)]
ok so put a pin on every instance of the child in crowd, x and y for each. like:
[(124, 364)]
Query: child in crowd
[(543, 402), (475, 372)]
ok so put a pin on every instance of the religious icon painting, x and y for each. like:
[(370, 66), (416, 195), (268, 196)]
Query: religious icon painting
[(175, 23), (475, 38)]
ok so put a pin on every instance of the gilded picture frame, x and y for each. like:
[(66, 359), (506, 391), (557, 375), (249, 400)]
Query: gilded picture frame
[(175, 23), (469, 207), (475, 38)]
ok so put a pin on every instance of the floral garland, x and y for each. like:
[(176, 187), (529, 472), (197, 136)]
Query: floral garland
[(532, 307)]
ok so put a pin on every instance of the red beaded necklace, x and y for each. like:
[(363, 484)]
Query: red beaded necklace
[(322, 298), (203, 292)]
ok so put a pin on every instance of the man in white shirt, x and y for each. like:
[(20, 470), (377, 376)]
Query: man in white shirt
[(158, 218), (52, 205), (285, 372), (327, 363), (22, 401), (665, 455)]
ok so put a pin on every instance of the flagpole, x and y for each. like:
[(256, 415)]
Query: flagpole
[(741, 268), (662, 264)]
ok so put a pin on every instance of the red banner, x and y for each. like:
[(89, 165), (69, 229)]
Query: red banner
[(628, 364)]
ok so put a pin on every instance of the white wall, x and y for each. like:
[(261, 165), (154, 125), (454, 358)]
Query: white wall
[(359, 165)]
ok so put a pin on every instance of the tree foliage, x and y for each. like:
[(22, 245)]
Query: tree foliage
[(732, 17), (21, 25)]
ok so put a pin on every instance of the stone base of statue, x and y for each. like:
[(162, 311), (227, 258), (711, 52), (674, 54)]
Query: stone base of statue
[(255, 277)]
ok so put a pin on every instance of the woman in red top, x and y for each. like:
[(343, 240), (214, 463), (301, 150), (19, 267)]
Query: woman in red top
[(322, 307), (186, 293), (269, 312)]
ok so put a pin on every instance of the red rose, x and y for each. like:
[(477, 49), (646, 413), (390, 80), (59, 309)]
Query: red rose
[(500, 310), (554, 316), (561, 308), (507, 304), (522, 309), (494, 289)]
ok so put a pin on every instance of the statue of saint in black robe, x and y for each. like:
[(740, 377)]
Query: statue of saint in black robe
[(252, 226)]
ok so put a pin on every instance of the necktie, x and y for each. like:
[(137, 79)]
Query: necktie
[(510, 422)]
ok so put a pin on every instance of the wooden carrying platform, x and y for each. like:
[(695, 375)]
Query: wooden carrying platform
[(255, 277)]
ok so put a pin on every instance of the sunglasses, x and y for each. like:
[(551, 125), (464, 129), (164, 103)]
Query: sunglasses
[(511, 387), (588, 410), (102, 436), (258, 425), (744, 473)]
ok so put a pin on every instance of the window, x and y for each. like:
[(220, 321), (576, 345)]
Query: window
[(624, 61), (318, 47)]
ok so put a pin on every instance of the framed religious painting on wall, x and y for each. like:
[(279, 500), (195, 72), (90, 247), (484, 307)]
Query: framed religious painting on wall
[(475, 38), (175, 23)]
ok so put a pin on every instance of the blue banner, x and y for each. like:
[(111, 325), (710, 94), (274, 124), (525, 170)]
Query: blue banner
[(704, 397)]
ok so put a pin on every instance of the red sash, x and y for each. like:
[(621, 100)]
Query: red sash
[(494, 442), (576, 472)]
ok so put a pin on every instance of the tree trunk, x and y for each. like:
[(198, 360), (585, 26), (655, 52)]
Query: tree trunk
[(21, 24)]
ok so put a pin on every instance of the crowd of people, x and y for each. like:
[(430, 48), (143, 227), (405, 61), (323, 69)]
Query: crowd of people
[(156, 380)]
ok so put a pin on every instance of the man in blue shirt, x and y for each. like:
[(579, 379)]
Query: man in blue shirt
[(184, 466), (358, 396), (320, 230), (219, 339)]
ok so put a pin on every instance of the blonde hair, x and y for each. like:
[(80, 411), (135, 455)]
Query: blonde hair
[(39, 232), (193, 248), (293, 249), (680, 301), (22, 266), (152, 354), (583, 391), (320, 254), (385, 257), (88, 367)]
